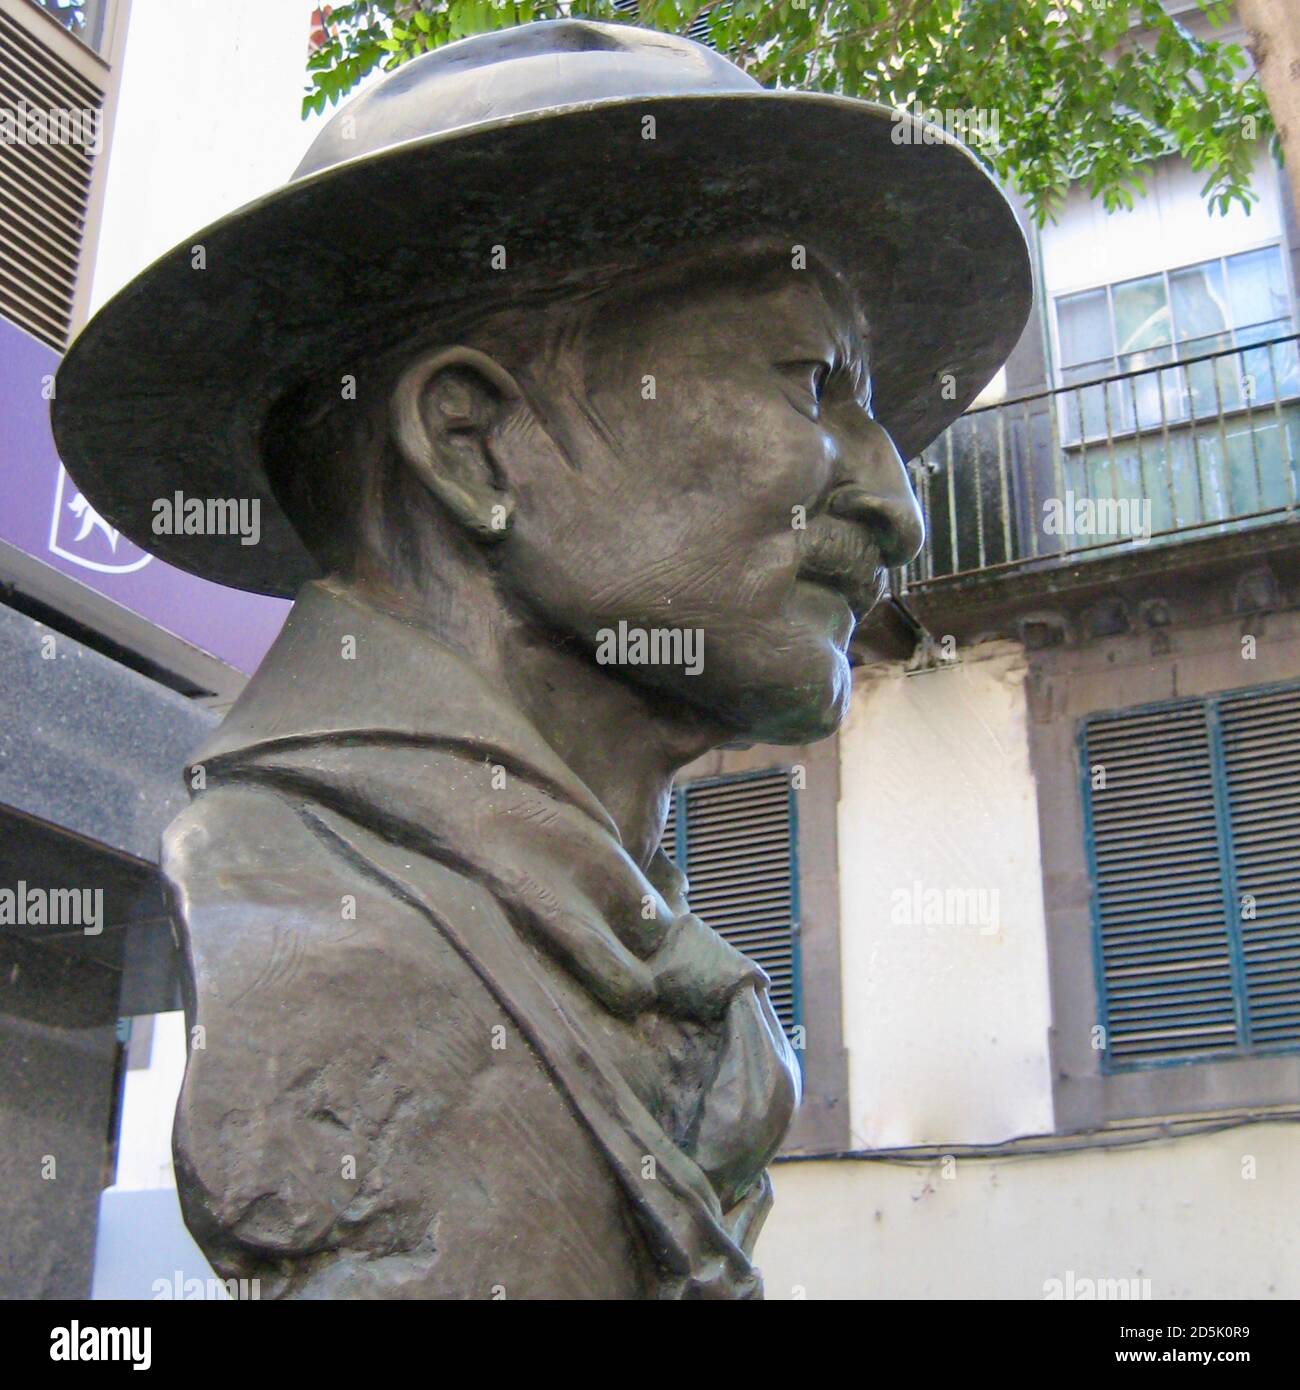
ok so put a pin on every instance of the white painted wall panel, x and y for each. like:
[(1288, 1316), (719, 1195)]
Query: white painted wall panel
[(208, 119), (1180, 1213), (946, 1022)]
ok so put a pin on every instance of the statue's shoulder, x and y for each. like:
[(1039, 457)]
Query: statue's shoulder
[(345, 1050), (272, 905), (246, 862)]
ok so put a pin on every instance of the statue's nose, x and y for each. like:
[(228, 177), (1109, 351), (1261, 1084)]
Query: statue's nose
[(878, 494)]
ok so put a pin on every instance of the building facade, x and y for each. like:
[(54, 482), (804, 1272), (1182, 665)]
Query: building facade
[(1068, 810)]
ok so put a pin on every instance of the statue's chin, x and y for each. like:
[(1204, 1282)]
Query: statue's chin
[(798, 727), (797, 713), (798, 694)]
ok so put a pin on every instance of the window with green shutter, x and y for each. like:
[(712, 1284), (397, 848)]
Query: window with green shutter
[(1192, 815), (735, 840)]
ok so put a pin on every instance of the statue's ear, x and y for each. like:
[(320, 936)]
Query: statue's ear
[(446, 410)]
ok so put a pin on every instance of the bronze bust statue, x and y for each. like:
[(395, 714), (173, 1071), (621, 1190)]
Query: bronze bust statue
[(558, 332)]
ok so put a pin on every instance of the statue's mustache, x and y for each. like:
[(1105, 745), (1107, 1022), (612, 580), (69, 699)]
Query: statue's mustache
[(842, 555)]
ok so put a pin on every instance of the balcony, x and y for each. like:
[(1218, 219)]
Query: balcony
[(1200, 447)]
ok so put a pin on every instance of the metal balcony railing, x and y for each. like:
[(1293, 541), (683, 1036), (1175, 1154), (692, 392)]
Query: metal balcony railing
[(1177, 449)]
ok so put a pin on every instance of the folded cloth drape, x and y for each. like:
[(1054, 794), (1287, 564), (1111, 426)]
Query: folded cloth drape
[(440, 769)]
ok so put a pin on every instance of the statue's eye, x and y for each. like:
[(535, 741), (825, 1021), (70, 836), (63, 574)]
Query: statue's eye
[(811, 377)]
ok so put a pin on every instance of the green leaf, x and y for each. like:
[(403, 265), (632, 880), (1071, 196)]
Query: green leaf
[(1077, 98)]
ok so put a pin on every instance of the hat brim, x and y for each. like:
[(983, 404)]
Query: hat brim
[(166, 389)]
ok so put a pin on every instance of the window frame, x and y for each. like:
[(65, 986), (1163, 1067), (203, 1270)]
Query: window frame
[(821, 1124), (1243, 1047), (1065, 683), (1276, 243), (100, 66), (100, 30)]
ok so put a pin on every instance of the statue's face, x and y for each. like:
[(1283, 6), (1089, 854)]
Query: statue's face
[(731, 493)]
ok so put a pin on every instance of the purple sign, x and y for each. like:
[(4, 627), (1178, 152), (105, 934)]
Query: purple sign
[(43, 513)]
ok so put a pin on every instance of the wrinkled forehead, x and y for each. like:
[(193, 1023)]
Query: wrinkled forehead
[(787, 302)]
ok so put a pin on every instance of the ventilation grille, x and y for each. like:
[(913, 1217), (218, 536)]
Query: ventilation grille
[(738, 852), (1194, 813), (44, 187)]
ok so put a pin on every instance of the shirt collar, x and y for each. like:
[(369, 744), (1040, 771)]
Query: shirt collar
[(343, 668)]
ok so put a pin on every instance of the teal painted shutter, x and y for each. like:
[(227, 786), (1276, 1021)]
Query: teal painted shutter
[(1193, 821), (734, 838), (1166, 967), (1261, 757)]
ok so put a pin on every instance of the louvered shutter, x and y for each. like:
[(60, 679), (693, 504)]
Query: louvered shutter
[(1261, 757), (44, 189), (1158, 894), (734, 838), (1193, 813)]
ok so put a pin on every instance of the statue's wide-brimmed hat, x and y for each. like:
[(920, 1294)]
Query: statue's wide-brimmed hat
[(534, 139)]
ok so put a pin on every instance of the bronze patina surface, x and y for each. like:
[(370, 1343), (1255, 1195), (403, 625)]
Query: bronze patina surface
[(560, 332)]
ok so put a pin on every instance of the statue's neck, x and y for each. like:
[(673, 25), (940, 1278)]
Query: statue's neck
[(622, 741)]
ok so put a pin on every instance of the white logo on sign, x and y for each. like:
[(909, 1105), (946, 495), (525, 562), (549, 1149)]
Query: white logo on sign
[(93, 535)]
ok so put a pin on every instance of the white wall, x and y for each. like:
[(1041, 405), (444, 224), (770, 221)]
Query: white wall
[(144, 1152), (1171, 227), (207, 120), (1178, 1212), (945, 1021)]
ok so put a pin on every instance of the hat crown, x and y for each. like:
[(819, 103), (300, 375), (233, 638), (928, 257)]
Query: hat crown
[(518, 72)]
